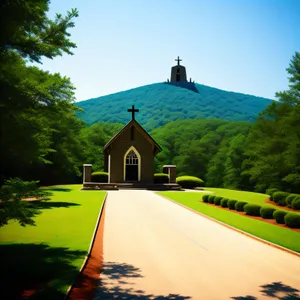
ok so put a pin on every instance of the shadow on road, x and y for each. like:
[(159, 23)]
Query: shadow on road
[(275, 290), (114, 284)]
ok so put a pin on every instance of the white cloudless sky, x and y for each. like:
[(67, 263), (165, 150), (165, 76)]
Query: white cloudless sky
[(236, 45)]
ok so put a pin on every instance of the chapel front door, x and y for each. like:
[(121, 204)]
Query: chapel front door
[(132, 167)]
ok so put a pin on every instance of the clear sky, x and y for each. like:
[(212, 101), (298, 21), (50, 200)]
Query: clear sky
[(236, 45)]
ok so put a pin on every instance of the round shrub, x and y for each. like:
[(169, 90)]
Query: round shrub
[(271, 191), (278, 215), (231, 203), (205, 198), (161, 178), (239, 205), (224, 202), (296, 203), (292, 220), (267, 212), (279, 197), (211, 199), (252, 209), (289, 199), (100, 176), (217, 200), (189, 182)]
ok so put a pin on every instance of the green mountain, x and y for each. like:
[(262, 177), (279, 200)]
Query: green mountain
[(160, 103)]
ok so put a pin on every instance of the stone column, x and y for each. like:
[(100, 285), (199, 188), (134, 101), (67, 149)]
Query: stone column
[(172, 174), (87, 173)]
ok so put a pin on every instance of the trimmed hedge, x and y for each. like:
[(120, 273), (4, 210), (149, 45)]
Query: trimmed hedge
[(279, 197), (296, 203), (189, 182), (217, 200), (289, 199), (267, 212), (252, 209), (100, 176), (161, 178), (224, 202), (205, 198), (231, 203), (239, 206), (279, 215), (211, 199), (271, 191), (292, 220)]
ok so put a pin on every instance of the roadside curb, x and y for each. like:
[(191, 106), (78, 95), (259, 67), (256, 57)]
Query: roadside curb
[(234, 228), (89, 250)]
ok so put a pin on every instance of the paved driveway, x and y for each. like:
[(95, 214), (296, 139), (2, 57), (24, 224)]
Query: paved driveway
[(155, 249)]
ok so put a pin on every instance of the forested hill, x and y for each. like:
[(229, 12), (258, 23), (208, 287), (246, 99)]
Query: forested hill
[(160, 103)]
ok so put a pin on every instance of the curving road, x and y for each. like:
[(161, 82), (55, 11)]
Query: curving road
[(155, 249)]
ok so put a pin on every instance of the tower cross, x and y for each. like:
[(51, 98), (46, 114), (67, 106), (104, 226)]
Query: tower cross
[(178, 60), (133, 110)]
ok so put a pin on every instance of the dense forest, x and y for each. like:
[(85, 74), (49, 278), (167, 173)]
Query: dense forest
[(161, 103), (43, 139)]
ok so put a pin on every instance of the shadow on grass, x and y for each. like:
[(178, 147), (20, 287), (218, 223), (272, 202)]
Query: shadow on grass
[(185, 85), (56, 189), (114, 284), (51, 204), (275, 290), (36, 271)]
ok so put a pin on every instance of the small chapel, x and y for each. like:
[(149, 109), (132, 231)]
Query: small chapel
[(178, 73), (129, 160)]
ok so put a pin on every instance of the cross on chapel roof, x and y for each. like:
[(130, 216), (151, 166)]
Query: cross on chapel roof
[(133, 110), (178, 60)]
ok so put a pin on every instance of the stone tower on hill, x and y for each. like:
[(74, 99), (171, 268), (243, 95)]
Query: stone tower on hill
[(178, 72)]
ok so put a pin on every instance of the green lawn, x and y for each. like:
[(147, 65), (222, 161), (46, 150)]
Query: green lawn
[(53, 251), (278, 235)]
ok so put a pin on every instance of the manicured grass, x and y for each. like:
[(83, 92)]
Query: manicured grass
[(250, 197), (277, 235), (53, 251)]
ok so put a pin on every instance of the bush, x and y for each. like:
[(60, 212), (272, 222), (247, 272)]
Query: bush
[(267, 212), (161, 178), (217, 200), (279, 197), (289, 199), (205, 198), (211, 199), (296, 203), (189, 182), (271, 191), (100, 176), (231, 203), (224, 202), (252, 209), (278, 215), (292, 220), (239, 205)]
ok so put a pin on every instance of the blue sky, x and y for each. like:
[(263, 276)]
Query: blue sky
[(237, 45)]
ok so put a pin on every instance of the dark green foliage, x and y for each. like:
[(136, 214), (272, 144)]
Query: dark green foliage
[(267, 212), (231, 203), (292, 220), (205, 198), (161, 178), (12, 205), (296, 203), (239, 205), (189, 182), (279, 197), (100, 176), (252, 209), (290, 198), (211, 199), (278, 215), (224, 202), (172, 103), (217, 200), (271, 191)]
